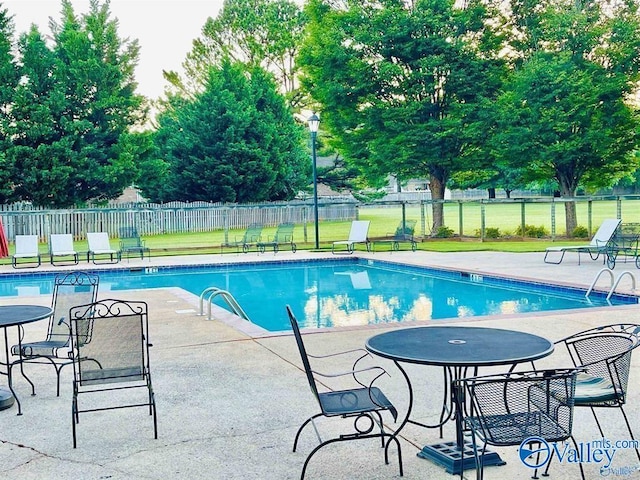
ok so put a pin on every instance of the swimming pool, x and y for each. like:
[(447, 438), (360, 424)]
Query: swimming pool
[(341, 292)]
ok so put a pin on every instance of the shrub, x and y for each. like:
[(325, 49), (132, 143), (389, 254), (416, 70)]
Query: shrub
[(532, 231), (580, 232), (444, 232), (492, 232)]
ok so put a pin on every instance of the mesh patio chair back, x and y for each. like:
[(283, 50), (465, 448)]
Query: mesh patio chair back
[(128, 232), (363, 404), (405, 230), (284, 233), (605, 355), (283, 236), (131, 243), (251, 236), (517, 408), (69, 289), (111, 352)]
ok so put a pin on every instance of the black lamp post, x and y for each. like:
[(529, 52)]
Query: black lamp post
[(314, 123)]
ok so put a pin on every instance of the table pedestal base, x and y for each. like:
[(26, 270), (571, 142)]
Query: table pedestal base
[(448, 455), (6, 399)]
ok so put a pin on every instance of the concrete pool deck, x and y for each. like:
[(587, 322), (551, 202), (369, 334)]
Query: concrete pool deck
[(229, 404)]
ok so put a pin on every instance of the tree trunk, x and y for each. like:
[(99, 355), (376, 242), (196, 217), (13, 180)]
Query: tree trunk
[(571, 219), (492, 192), (437, 207), (567, 190)]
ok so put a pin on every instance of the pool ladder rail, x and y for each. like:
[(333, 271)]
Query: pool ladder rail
[(613, 284), (211, 293)]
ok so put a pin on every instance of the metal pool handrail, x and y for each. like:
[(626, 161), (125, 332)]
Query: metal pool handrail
[(613, 284), (227, 297)]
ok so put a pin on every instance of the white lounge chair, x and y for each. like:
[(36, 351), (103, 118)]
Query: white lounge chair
[(26, 247), (99, 245), (358, 234), (597, 246), (61, 245)]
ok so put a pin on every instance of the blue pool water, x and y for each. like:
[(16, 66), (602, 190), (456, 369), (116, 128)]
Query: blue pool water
[(341, 292)]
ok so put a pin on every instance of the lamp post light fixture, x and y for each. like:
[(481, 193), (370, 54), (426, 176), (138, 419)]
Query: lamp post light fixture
[(314, 123)]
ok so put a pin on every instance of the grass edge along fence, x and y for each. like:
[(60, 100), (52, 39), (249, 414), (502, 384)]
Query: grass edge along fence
[(482, 219)]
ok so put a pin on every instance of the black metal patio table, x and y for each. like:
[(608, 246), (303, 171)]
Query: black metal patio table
[(16, 316), (460, 351)]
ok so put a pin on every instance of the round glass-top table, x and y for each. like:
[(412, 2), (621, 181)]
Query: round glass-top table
[(457, 349), (12, 316)]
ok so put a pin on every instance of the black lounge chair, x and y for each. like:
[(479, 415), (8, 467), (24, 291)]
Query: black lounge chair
[(110, 341), (69, 289), (363, 404)]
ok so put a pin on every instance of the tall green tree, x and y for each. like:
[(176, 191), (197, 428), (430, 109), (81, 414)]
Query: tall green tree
[(265, 33), (566, 112), (401, 85), (236, 141), (40, 152), (9, 77), (73, 110)]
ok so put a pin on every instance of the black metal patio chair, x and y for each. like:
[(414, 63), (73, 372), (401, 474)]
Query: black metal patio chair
[(530, 409), (363, 403), (110, 342), (69, 289), (605, 355)]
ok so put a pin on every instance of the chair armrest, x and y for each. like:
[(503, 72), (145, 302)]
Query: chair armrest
[(354, 374), (350, 372), (345, 352), (360, 351)]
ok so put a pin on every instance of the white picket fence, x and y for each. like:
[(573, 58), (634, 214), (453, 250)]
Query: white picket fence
[(152, 219)]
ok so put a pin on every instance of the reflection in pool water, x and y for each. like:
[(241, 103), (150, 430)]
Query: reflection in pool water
[(345, 292)]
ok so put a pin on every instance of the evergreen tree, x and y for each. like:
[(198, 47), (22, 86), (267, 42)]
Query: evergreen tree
[(9, 77), (234, 142), (73, 110)]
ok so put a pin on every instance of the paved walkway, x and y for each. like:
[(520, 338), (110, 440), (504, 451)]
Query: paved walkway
[(229, 404)]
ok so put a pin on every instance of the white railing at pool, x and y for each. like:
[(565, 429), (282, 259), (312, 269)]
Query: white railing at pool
[(613, 284)]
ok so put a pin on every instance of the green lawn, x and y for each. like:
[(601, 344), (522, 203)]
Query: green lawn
[(384, 221)]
